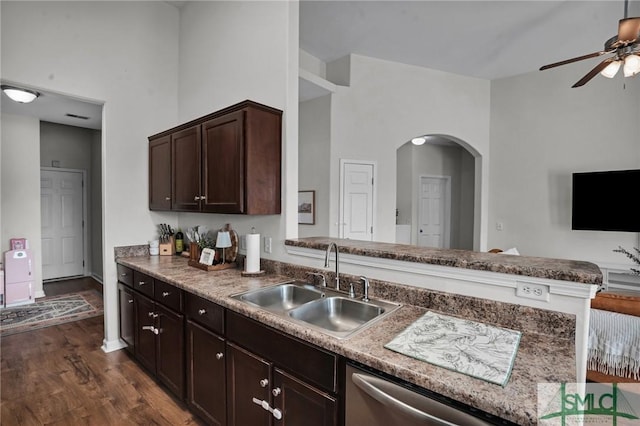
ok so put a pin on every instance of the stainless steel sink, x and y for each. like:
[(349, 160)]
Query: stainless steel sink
[(337, 314), (326, 310), (283, 297)]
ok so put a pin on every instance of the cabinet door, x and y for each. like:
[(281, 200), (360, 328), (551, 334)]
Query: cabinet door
[(126, 314), (160, 174), (170, 349), (248, 380), (223, 164), (145, 338), (185, 169), (206, 374), (302, 404)]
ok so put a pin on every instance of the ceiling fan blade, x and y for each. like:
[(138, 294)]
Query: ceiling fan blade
[(628, 30), (569, 61), (602, 65)]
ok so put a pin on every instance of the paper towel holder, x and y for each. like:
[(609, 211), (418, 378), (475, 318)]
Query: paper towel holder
[(244, 273)]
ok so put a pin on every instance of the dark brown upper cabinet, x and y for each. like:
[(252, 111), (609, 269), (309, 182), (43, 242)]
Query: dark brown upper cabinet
[(160, 173), (225, 162)]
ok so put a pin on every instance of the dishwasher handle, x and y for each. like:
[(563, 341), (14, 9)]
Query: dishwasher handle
[(365, 384)]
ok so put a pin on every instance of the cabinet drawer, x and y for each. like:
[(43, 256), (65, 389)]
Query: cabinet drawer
[(205, 313), (308, 362), (125, 274), (143, 283), (168, 295)]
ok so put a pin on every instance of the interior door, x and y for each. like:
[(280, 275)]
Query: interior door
[(61, 210), (433, 212), (357, 200)]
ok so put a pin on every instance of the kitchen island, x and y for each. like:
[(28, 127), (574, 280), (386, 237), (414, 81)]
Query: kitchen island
[(546, 352)]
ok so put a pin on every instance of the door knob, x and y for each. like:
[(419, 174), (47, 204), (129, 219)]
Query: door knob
[(264, 383), (219, 355), (276, 391), (202, 311)]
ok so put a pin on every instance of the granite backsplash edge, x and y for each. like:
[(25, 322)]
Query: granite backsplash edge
[(508, 315)]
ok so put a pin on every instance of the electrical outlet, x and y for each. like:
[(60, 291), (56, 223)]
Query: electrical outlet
[(532, 291), (267, 244)]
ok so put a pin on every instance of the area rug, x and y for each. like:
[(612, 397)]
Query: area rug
[(50, 311)]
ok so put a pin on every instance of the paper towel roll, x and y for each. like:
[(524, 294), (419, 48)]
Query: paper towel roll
[(252, 263)]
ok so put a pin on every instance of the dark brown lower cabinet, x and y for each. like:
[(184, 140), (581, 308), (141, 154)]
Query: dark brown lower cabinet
[(302, 404), (206, 375), (261, 394), (248, 380), (126, 314), (159, 342)]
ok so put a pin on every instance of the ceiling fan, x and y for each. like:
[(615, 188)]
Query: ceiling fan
[(625, 47)]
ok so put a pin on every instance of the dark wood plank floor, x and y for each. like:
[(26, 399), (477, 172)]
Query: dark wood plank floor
[(56, 288), (60, 376)]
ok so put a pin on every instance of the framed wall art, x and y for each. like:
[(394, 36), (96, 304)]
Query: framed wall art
[(307, 207)]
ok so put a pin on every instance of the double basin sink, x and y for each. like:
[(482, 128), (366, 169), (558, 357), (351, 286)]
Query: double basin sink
[(324, 309)]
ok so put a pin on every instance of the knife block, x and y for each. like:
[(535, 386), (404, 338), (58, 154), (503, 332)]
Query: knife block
[(168, 248)]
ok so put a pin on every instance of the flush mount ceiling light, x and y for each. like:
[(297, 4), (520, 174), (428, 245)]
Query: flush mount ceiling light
[(419, 141), (24, 96)]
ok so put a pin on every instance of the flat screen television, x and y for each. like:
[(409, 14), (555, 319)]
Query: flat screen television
[(606, 201)]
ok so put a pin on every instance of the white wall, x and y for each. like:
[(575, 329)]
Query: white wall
[(232, 51), (542, 131), (314, 146), (20, 169), (387, 104), (124, 54)]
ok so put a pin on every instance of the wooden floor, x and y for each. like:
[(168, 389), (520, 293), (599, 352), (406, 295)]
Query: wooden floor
[(56, 288), (60, 376)]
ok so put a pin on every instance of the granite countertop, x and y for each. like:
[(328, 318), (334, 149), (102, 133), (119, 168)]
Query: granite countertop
[(535, 362), (540, 267)]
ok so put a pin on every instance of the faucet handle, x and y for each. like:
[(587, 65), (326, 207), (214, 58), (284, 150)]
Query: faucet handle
[(317, 274), (352, 292), (365, 280)]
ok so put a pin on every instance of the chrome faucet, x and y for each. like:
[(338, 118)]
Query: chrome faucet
[(365, 280), (326, 262)]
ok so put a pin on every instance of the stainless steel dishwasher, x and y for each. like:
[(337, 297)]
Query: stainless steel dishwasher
[(375, 400)]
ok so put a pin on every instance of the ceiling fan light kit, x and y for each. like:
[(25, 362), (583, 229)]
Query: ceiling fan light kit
[(626, 49)]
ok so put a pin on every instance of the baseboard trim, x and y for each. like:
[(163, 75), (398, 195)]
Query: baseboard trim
[(113, 345)]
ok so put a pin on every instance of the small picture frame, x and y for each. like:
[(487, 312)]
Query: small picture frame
[(207, 256), (307, 207)]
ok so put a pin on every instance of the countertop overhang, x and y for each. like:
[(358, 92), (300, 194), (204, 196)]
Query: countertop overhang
[(538, 267), (517, 401)]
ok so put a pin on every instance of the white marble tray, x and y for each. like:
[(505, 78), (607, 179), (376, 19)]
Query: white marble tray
[(478, 350)]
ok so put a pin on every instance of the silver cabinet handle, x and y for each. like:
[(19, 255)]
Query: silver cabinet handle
[(167, 198), (123, 274), (276, 391), (219, 355), (150, 328), (264, 383), (130, 300), (196, 198), (141, 283), (202, 311), (152, 315), (165, 293), (265, 406)]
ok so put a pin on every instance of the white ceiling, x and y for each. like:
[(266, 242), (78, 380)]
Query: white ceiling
[(478, 38), (484, 39)]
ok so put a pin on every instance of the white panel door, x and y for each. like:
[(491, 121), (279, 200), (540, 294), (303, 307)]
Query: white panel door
[(433, 212), (357, 201), (61, 195)]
